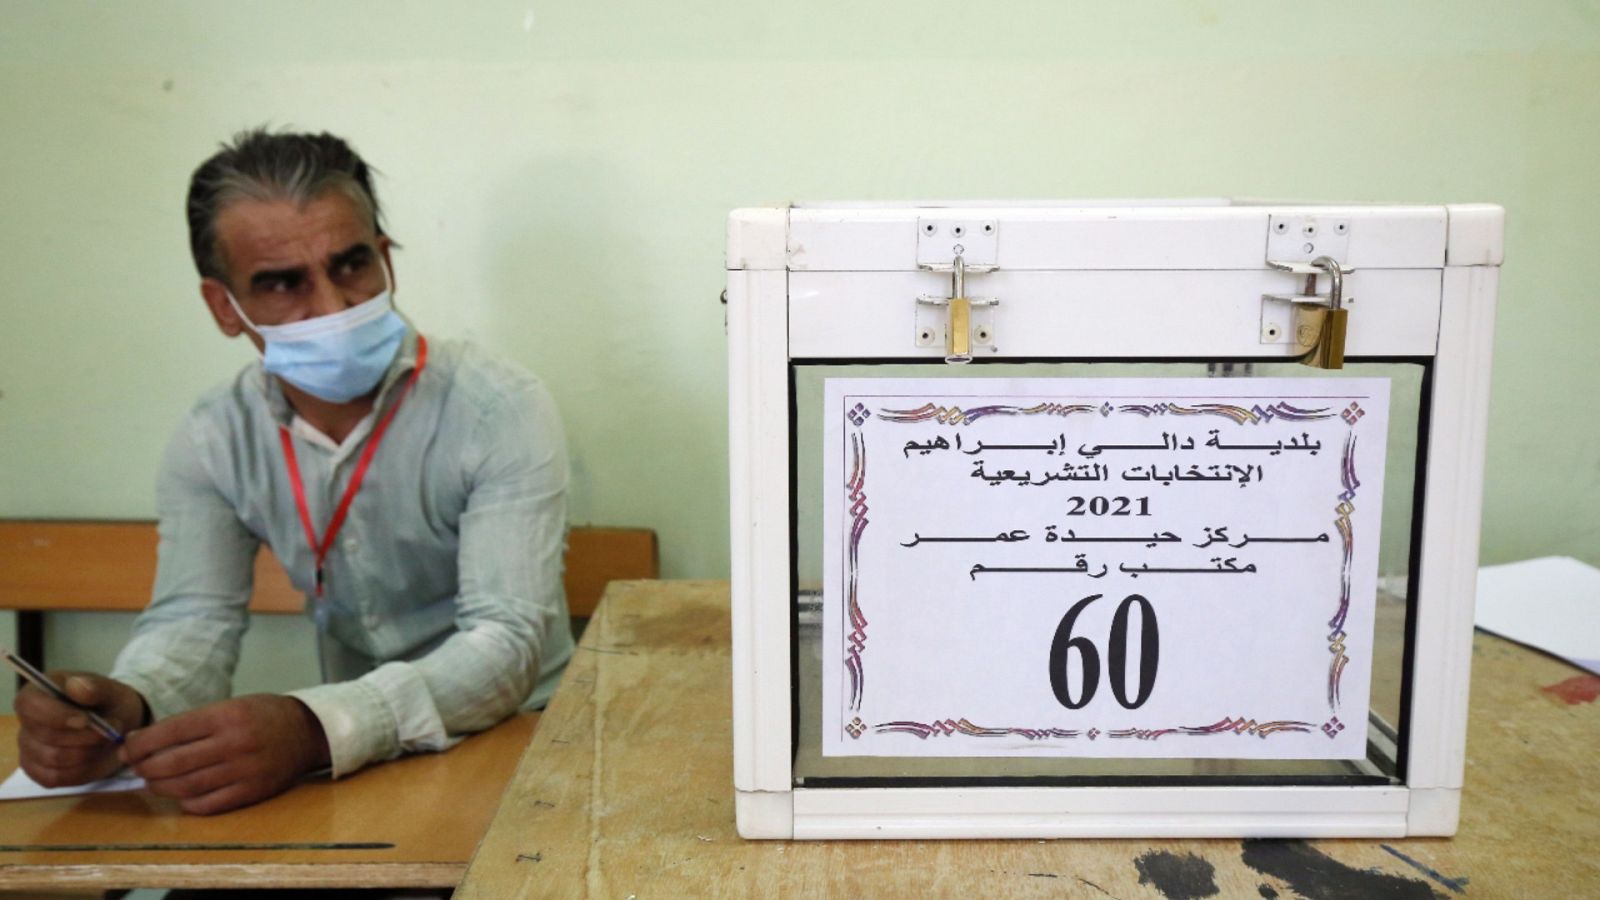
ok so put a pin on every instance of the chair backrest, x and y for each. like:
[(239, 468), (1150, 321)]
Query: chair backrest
[(51, 565), (597, 556)]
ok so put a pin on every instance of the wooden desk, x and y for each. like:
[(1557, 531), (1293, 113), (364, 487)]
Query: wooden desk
[(628, 789), (409, 823)]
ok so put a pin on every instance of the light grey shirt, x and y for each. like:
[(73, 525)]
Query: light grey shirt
[(443, 609)]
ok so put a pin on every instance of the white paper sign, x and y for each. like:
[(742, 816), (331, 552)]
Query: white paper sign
[(1100, 567)]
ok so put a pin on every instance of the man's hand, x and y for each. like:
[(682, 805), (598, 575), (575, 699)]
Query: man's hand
[(228, 754), (55, 743)]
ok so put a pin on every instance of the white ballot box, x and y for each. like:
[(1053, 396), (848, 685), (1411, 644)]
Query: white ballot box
[(1108, 519)]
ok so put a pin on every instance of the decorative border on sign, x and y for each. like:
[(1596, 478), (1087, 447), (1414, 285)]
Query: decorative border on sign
[(955, 415), (856, 633), (1337, 634), (948, 727)]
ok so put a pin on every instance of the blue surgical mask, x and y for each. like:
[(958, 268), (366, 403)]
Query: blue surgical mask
[(336, 357)]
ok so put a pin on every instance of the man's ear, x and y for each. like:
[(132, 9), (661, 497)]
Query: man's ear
[(215, 295), (383, 250)]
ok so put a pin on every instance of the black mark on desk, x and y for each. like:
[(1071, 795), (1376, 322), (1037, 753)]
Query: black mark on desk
[(1098, 888), (1311, 873), (530, 857), (1459, 885), (1177, 877)]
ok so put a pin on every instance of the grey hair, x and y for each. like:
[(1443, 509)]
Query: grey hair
[(260, 165)]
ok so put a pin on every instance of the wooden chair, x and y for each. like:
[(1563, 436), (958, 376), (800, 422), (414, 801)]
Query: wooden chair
[(597, 556), (74, 565)]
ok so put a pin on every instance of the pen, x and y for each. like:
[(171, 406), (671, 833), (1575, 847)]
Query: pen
[(38, 679)]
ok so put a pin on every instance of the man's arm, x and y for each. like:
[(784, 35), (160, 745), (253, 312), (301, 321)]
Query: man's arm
[(510, 598), (185, 644), (178, 666), (208, 752)]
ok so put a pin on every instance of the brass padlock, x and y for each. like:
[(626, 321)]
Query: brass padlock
[(958, 344), (961, 331), (958, 336), (1322, 328)]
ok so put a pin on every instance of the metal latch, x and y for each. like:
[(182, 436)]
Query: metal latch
[(1319, 322), (1302, 237), (968, 321)]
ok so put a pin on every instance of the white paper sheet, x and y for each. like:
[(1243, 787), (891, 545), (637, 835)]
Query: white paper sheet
[(965, 518), (20, 787), (1551, 603)]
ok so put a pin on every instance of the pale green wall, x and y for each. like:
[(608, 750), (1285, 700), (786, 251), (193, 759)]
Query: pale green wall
[(560, 176)]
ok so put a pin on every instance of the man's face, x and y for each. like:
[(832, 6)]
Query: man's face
[(286, 263)]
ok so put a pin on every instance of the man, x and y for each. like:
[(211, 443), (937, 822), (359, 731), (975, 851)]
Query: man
[(414, 489)]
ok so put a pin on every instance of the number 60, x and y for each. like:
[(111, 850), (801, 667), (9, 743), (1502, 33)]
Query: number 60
[(1149, 654)]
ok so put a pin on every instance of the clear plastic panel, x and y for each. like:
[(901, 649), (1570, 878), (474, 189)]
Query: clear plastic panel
[(1385, 727)]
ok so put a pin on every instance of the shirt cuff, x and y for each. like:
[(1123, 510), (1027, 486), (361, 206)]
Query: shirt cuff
[(355, 721), (379, 716), (161, 703)]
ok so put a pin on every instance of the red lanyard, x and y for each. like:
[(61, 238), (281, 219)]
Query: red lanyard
[(320, 550)]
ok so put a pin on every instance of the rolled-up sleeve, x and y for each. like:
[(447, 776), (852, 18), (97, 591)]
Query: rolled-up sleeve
[(185, 645), (509, 603)]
